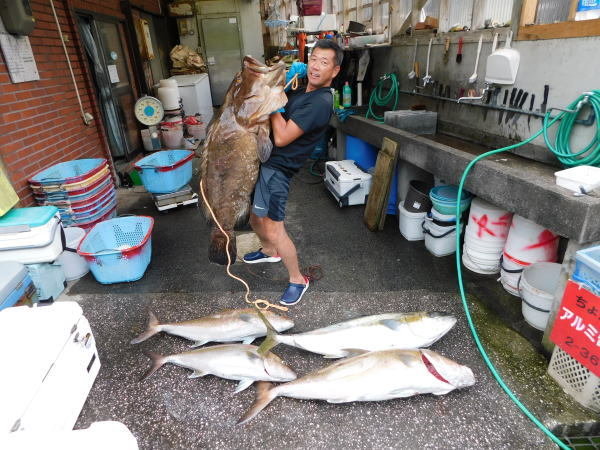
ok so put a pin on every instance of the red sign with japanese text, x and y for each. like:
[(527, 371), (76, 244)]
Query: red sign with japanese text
[(577, 326)]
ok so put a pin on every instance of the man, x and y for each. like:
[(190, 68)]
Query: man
[(295, 132)]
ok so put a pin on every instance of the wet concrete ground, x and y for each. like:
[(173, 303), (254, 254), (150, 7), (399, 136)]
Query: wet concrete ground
[(364, 273)]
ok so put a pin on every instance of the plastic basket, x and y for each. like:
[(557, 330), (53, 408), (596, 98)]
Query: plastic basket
[(166, 171), (111, 214), (96, 216), (75, 186), (73, 196), (69, 172), (118, 250), (444, 198), (575, 379), (587, 268)]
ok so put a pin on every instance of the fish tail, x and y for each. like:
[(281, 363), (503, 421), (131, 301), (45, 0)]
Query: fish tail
[(157, 362), (217, 252), (265, 394), (272, 338), (153, 328)]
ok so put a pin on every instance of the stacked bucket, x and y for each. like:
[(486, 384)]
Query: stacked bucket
[(527, 243), (485, 236), (82, 190)]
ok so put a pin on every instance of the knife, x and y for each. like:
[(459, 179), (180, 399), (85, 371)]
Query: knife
[(521, 103), (494, 102), (504, 104), (513, 104), (447, 91), (441, 90), (488, 98), (545, 100), (530, 109)]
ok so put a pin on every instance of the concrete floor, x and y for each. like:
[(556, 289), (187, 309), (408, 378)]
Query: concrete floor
[(363, 273)]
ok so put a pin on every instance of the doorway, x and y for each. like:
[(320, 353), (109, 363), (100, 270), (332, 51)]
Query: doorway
[(103, 41)]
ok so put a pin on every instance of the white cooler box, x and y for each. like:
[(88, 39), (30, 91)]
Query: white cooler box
[(31, 235), (50, 361), (348, 183)]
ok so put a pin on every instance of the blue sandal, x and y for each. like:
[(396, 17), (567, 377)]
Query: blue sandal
[(294, 293)]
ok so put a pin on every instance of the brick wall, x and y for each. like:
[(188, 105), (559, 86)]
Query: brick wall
[(40, 121)]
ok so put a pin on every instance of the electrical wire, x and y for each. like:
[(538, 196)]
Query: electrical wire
[(565, 155), (380, 99)]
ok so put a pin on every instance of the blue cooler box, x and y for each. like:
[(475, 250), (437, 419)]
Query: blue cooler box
[(15, 284)]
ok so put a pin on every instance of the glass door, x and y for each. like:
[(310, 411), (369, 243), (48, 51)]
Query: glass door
[(103, 42)]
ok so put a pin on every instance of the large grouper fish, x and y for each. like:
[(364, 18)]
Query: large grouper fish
[(373, 376), (236, 142), (370, 333), (239, 362), (230, 325)]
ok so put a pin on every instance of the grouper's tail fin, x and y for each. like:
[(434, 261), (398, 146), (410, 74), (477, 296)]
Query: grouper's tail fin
[(153, 328), (157, 362), (265, 394), (272, 338), (217, 252)]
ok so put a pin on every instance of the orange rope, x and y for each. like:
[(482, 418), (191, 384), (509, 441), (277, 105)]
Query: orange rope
[(258, 303)]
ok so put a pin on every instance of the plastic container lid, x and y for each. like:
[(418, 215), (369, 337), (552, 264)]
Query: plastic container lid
[(11, 274), (34, 216)]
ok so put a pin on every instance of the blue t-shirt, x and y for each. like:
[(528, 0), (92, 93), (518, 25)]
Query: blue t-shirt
[(311, 111)]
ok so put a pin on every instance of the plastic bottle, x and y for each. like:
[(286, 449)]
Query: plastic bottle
[(336, 98), (347, 95)]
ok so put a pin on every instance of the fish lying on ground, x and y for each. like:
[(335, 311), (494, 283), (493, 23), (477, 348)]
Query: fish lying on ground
[(230, 325), (370, 333), (373, 376), (239, 362), (236, 141)]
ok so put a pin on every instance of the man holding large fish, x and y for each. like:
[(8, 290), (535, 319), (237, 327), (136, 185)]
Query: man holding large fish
[(296, 131)]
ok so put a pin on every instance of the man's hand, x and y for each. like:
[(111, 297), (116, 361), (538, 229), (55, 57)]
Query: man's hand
[(297, 68)]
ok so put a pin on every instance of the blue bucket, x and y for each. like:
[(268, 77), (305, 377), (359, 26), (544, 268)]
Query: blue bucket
[(365, 157), (166, 171)]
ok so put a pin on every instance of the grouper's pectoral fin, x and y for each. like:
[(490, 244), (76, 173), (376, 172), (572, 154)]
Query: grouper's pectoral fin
[(263, 144), (243, 384)]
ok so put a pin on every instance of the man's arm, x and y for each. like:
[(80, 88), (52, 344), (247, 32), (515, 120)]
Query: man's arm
[(284, 132)]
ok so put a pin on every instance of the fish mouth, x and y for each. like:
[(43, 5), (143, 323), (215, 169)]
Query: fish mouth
[(446, 370), (255, 65)]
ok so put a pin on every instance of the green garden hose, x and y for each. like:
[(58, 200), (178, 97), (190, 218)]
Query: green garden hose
[(380, 99), (563, 152)]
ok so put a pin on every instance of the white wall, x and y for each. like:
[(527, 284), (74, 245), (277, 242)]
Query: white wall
[(251, 29), (569, 66)]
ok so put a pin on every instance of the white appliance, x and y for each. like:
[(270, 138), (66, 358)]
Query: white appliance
[(51, 362), (194, 90), (348, 184)]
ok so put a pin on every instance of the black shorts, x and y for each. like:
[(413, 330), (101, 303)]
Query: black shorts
[(271, 194)]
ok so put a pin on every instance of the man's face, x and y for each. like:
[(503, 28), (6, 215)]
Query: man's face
[(322, 67)]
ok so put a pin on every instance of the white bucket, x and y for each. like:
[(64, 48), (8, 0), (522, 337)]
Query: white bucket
[(440, 241), (73, 265), (435, 214), (487, 222), (480, 262), (411, 224), (510, 272), (538, 285), (529, 242)]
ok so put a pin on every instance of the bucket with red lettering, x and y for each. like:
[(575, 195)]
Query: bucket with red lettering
[(485, 235), (528, 243)]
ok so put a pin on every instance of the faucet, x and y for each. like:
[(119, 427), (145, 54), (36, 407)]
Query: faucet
[(485, 89)]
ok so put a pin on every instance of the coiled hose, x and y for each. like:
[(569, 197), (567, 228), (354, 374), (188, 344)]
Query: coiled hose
[(563, 151), (380, 99)]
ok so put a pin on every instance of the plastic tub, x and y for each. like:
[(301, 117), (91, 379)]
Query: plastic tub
[(440, 241), (436, 215), (528, 242), (537, 287), (166, 171), (73, 265), (417, 199), (510, 273), (587, 268), (579, 179), (198, 131), (118, 250), (411, 224), (444, 198)]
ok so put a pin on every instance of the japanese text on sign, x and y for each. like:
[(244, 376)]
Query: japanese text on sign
[(577, 326)]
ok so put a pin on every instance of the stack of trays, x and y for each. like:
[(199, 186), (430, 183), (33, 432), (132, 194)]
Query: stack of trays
[(82, 190)]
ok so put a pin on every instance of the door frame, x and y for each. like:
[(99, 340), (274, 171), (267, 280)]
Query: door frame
[(130, 153)]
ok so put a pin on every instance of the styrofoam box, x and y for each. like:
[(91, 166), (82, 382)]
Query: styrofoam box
[(53, 364), (348, 184), (577, 178), (31, 245)]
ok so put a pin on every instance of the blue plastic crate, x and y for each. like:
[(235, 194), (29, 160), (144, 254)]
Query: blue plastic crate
[(165, 171), (118, 250), (587, 268), (68, 172)]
